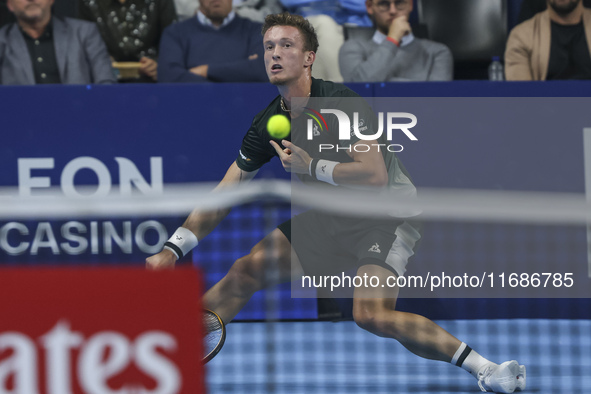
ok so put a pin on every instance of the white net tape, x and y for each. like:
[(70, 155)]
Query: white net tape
[(437, 204)]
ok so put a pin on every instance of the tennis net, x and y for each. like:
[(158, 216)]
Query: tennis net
[(506, 272)]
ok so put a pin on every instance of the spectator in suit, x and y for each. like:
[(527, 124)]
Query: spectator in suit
[(214, 46), (39, 48)]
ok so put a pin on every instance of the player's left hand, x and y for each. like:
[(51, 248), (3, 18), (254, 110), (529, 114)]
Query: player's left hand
[(293, 158)]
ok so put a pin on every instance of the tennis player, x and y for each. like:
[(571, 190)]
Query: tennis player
[(380, 250)]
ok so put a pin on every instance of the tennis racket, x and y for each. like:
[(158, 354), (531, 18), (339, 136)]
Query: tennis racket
[(215, 334)]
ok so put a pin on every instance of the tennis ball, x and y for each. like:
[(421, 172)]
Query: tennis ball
[(278, 126)]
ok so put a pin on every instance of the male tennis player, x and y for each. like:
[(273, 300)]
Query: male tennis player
[(290, 45)]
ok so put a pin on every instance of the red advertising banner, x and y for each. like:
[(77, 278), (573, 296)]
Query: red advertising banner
[(100, 330)]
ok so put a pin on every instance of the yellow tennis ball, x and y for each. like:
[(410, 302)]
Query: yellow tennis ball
[(278, 126)]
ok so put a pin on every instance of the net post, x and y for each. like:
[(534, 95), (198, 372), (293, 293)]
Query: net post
[(587, 157)]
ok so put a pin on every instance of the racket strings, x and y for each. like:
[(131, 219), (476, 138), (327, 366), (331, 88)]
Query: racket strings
[(212, 323), (214, 332)]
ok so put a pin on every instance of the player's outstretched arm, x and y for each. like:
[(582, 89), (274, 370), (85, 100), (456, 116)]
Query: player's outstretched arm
[(201, 223), (197, 225)]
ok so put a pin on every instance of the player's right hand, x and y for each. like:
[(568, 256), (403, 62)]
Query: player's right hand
[(293, 158), (163, 260), (399, 28)]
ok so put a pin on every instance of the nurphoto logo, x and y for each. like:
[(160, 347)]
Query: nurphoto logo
[(316, 125)]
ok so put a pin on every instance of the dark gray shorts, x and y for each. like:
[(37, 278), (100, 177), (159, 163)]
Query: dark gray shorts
[(328, 244)]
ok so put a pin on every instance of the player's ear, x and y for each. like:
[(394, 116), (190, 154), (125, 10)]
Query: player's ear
[(310, 57)]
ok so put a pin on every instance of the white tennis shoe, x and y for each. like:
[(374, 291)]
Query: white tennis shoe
[(505, 378)]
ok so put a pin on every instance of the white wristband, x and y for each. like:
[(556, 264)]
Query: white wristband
[(182, 242), (324, 170)]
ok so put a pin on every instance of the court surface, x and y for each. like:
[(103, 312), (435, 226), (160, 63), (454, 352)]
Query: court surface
[(324, 357)]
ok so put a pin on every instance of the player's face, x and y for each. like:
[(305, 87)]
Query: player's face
[(215, 10), (383, 12), (285, 58), (563, 7), (31, 11)]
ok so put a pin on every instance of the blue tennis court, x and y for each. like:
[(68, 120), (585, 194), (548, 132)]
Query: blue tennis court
[(552, 337), (324, 357)]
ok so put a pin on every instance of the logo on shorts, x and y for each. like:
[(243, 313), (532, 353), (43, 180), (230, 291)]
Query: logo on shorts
[(375, 248)]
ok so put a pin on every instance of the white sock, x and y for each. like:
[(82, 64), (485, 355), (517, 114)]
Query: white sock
[(469, 359)]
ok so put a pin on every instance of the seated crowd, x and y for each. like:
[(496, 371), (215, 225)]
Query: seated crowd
[(220, 41)]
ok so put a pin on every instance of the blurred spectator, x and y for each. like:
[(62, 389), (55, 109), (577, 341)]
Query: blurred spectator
[(40, 48), (216, 46), (131, 29), (554, 44), (328, 18), (531, 7), (186, 9), (350, 12), (394, 53), (60, 8), (330, 39), (257, 10)]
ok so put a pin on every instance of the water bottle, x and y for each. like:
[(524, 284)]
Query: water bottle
[(495, 70)]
